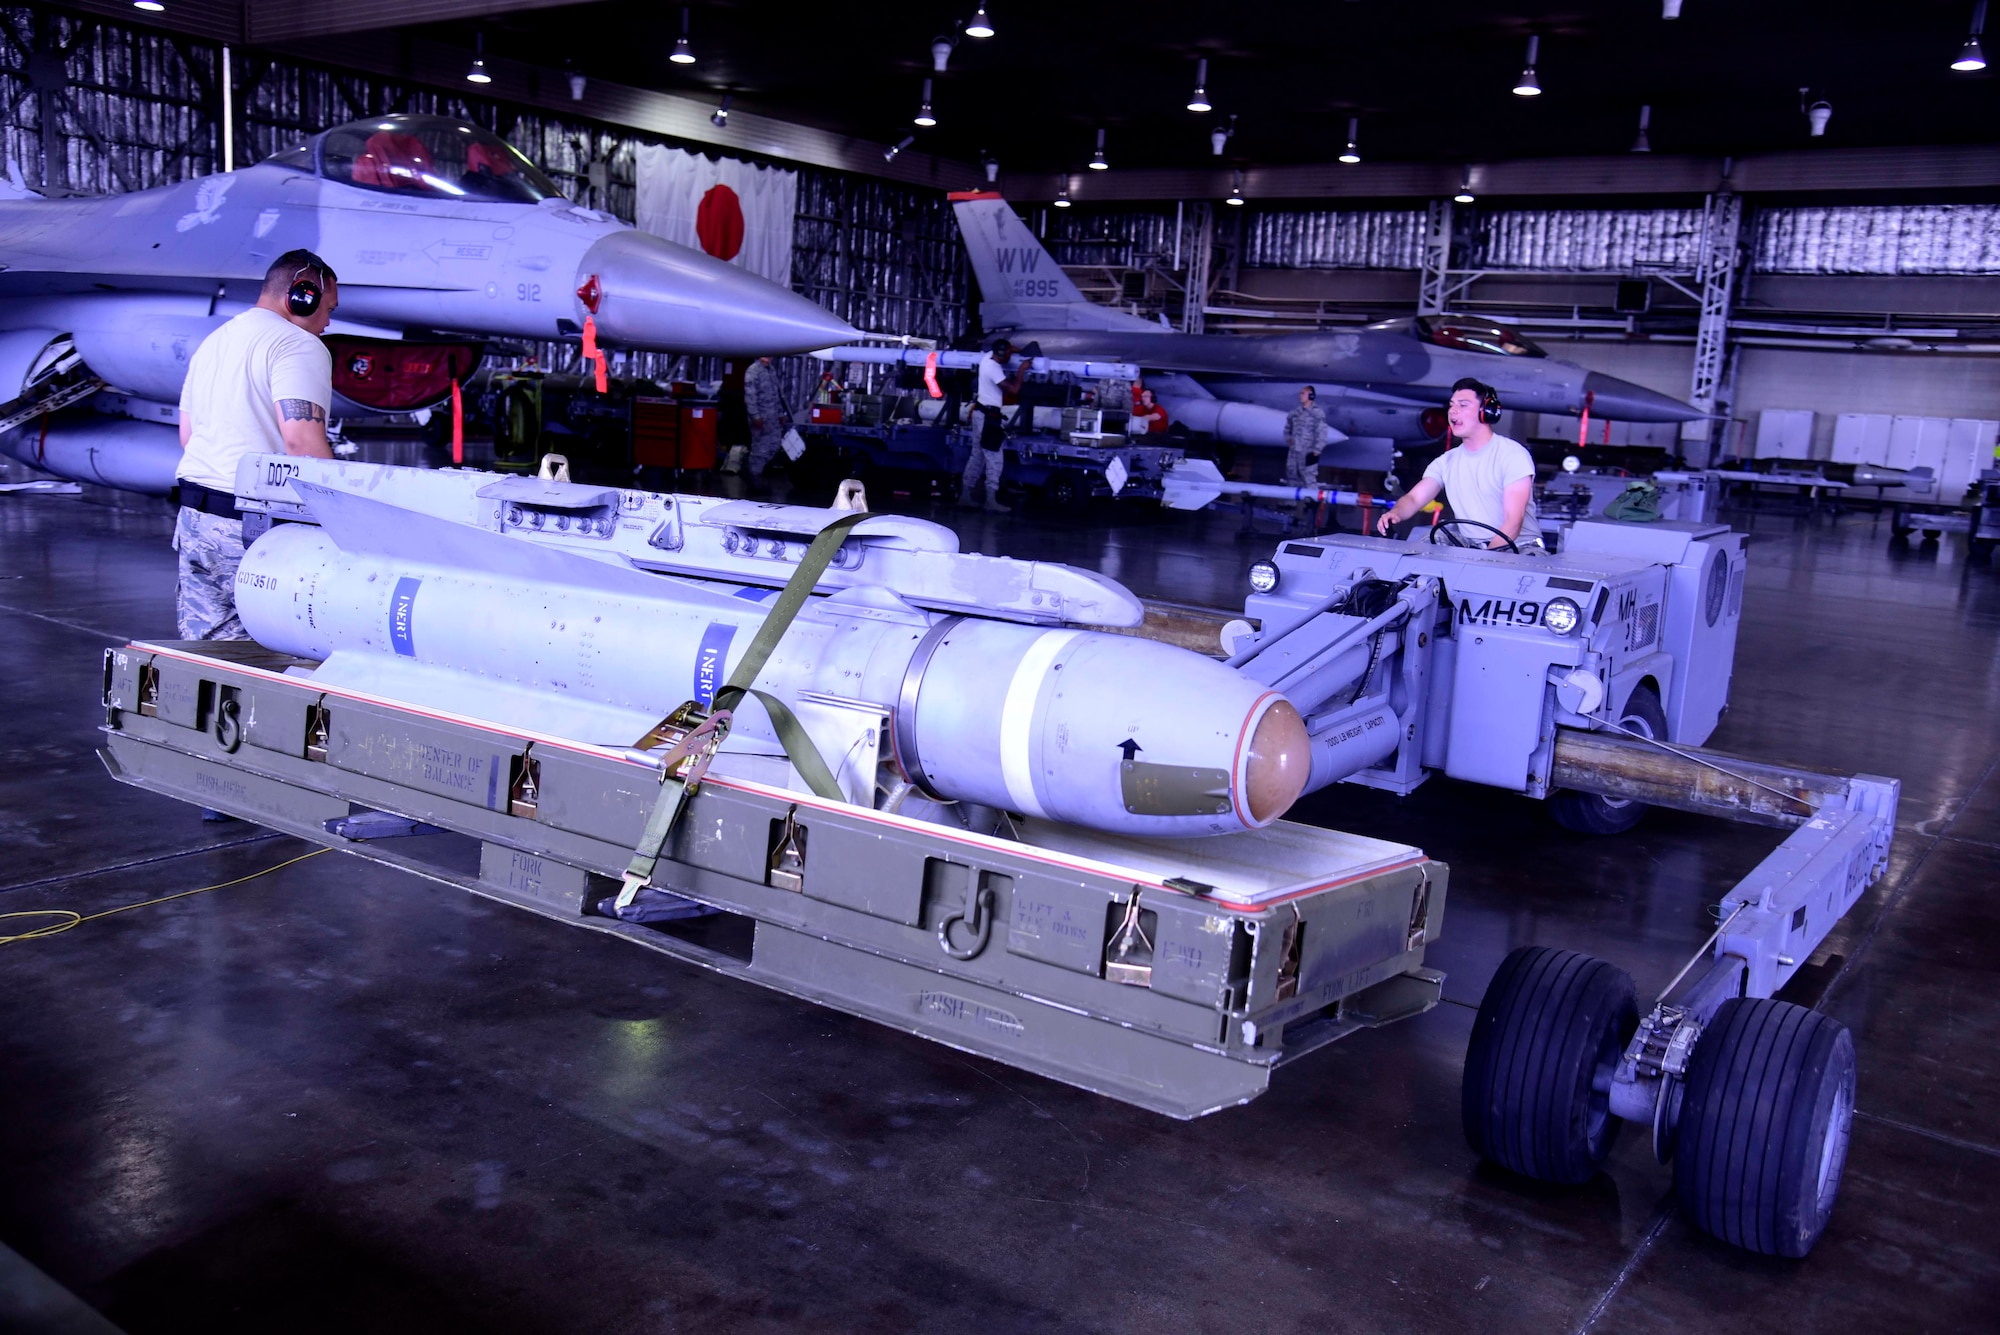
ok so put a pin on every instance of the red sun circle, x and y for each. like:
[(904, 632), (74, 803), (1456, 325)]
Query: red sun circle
[(718, 223)]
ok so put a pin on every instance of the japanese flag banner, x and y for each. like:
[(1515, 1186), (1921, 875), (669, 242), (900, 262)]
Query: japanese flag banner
[(732, 210)]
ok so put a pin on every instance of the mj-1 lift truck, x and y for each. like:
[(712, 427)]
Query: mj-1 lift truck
[(1591, 680)]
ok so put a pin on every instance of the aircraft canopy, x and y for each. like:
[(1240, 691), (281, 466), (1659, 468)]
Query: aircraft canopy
[(1468, 334), (434, 156)]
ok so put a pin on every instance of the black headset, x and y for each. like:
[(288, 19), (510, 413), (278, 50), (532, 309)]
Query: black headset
[(1311, 393), (1489, 404), (304, 296)]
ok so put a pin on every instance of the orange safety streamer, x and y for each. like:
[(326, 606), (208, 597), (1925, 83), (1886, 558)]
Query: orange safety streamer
[(457, 424)]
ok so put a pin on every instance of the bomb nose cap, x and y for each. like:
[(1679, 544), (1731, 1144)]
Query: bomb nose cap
[(1277, 760)]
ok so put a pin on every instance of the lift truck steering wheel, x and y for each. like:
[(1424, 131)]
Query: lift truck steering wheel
[(1449, 538)]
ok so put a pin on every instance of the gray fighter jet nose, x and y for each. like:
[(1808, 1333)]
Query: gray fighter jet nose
[(1623, 401), (655, 295)]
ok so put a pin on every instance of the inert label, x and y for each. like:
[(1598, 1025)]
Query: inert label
[(708, 661), (401, 608)]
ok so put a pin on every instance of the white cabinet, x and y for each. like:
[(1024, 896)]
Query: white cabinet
[(1861, 438), (1785, 433), (1968, 450)]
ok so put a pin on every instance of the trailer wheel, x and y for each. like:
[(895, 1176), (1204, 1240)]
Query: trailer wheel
[(1066, 491), (1537, 1092), (1594, 813), (1764, 1125)]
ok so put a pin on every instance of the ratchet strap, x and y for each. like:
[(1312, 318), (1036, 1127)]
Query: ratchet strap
[(679, 782)]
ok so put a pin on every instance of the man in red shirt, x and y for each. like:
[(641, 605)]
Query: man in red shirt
[(1148, 412)]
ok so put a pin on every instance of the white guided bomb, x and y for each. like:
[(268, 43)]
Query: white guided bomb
[(466, 609)]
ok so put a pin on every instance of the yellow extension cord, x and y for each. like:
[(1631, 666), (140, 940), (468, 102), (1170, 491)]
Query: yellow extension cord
[(68, 918)]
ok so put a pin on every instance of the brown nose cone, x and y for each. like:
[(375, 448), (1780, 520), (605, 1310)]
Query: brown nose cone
[(1280, 761)]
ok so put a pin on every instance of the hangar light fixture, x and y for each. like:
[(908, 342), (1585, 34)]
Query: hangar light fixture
[(1219, 137), (940, 53), (1097, 162), (1062, 195), (924, 116), (478, 74), (1971, 56), (1200, 102), (1670, 9), (150, 6), (1464, 195), (1643, 144), (1528, 85), (1236, 190), (719, 118), (991, 164), (889, 153), (683, 53), (981, 26), (1352, 153), (576, 86)]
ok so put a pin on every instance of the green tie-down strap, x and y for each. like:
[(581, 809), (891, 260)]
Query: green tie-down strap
[(792, 735), (1639, 503)]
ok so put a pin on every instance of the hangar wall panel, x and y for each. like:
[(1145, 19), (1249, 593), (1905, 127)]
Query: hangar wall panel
[(1879, 239), (1589, 240), (1334, 239)]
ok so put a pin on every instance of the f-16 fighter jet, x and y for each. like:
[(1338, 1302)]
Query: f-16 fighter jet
[(442, 235), (1377, 384)]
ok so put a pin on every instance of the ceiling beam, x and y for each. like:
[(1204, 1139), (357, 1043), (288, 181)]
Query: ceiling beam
[(288, 20), (1816, 171), (212, 20)]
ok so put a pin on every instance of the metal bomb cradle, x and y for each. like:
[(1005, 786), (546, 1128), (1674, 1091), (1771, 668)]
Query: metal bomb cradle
[(943, 811)]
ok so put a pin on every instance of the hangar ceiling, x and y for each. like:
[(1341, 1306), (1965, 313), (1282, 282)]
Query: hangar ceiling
[(1429, 84)]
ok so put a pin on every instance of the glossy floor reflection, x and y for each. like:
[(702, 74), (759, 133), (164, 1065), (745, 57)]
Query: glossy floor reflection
[(341, 1098)]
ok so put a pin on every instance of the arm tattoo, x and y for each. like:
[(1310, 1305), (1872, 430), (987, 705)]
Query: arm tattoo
[(300, 410)]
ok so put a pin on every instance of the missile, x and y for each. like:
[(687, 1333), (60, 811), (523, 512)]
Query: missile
[(522, 628), (1194, 483), (1234, 421), (109, 451), (965, 361)]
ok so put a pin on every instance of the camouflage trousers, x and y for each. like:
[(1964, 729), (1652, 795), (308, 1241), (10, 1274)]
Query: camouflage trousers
[(764, 447), (211, 547), (1301, 466)]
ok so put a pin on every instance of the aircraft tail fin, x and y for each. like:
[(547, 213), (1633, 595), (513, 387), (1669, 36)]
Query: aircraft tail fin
[(1020, 283)]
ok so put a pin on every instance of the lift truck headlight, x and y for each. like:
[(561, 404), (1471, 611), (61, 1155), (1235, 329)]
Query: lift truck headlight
[(1561, 615), (1263, 576)]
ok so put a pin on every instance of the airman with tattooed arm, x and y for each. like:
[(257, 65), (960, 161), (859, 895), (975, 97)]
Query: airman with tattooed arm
[(259, 384)]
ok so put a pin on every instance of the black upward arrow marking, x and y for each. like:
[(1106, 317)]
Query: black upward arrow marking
[(1130, 748)]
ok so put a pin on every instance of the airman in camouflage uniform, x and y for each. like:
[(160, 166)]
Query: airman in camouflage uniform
[(768, 419), (1305, 436), (210, 547)]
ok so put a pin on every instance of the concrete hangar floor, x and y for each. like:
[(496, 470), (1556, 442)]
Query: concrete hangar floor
[(341, 1098)]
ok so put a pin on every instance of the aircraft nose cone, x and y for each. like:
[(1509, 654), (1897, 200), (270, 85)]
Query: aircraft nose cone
[(1623, 401), (661, 297)]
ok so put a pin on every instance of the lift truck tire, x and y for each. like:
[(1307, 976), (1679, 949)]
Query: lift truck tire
[(1594, 813), (1764, 1123), (1538, 1071)]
